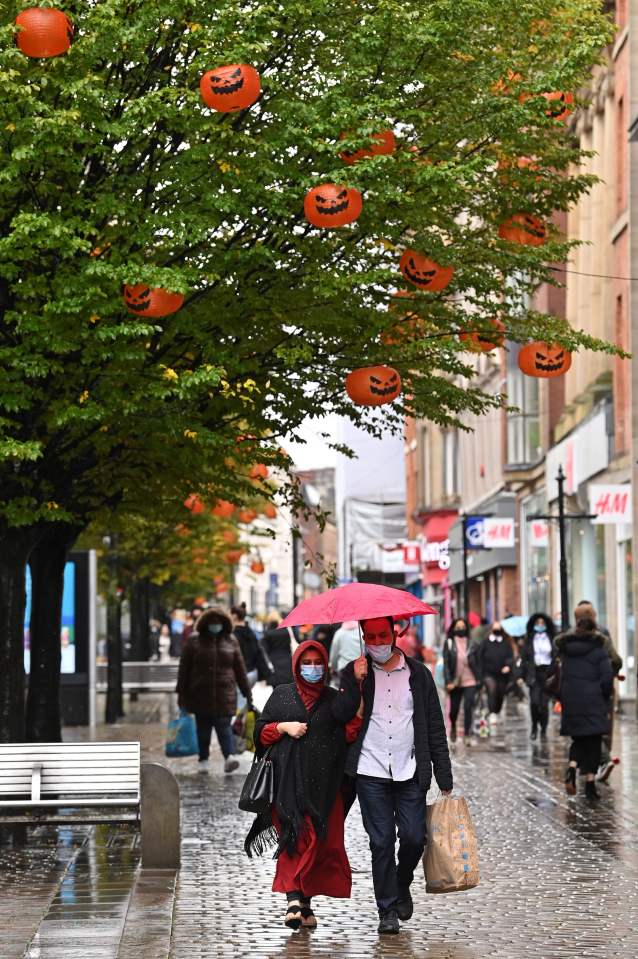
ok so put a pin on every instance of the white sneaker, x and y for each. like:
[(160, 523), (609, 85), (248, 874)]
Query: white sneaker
[(204, 765), (231, 764), (492, 719)]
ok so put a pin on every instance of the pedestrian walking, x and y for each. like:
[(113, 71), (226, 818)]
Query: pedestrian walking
[(491, 661), (277, 646), (401, 740), (211, 667), (537, 657), (585, 690), (460, 681), (346, 646), (305, 724)]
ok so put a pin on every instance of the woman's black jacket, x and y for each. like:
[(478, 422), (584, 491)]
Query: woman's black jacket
[(276, 645), (450, 656), (430, 740), (586, 683), (253, 654), (489, 657)]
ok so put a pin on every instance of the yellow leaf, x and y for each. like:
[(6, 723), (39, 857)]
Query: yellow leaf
[(10, 126), (94, 317), (190, 434), (52, 505), (170, 374), (84, 396)]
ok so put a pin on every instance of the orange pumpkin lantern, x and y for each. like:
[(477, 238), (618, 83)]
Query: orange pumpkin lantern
[(425, 273), (221, 587), (560, 104), (257, 567), (230, 88), (258, 471), (149, 301), (230, 536), (331, 205), (233, 556), (223, 509), (246, 515), (270, 511), (382, 144), (523, 228), (544, 360), (194, 504), (44, 33), (484, 342), (373, 385)]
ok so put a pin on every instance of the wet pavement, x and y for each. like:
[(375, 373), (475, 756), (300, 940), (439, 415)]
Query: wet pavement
[(558, 878)]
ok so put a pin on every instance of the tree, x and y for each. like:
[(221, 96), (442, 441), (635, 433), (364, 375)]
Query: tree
[(114, 172)]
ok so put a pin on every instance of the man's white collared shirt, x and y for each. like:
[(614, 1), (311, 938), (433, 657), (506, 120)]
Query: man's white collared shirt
[(387, 751)]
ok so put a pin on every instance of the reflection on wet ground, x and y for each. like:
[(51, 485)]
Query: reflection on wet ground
[(559, 877)]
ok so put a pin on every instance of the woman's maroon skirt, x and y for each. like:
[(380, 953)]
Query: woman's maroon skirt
[(319, 867)]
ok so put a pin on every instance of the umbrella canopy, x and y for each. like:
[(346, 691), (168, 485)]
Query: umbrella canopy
[(357, 601), (515, 625)]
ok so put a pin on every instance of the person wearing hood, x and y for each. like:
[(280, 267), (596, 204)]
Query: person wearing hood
[(537, 657), (492, 661), (586, 683), (401, 741), (211, 667), (276, 644), (306, 725)]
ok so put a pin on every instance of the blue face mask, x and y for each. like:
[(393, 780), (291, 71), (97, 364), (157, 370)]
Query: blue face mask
[(539, 628), (311, 673), (215, 629)]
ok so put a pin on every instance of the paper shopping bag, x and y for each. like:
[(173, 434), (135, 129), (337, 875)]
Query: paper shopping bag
[(450, 859)]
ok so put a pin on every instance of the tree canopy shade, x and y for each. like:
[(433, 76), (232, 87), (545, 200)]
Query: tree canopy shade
[(113, 171)]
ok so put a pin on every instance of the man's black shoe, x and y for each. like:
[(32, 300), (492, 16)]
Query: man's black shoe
[(405, 906), (389, 923)]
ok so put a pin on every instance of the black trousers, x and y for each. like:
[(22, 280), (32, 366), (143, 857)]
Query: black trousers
[(387, 807), (221, 725), (465, 695), (496, 687), (585, 752), (538, 698)]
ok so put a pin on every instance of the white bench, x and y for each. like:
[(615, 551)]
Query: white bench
[(67, 783)]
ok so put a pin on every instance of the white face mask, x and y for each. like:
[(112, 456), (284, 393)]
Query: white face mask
[(380, 654)]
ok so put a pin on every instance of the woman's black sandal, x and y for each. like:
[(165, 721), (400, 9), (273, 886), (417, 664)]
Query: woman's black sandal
[(293, 916), (308, 918)]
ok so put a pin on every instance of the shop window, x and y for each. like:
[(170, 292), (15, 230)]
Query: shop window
[(523, 423), (450, 463)]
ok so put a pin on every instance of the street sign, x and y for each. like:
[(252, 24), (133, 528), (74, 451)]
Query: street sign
[(610, 503), (498, 532), (475, 532), (539, 534)]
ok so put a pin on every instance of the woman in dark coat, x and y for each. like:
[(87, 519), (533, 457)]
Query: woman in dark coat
[(585, 687), (210, 669), (460, 681), (305, 724), (492, 661), (537, 657), (276, 645)]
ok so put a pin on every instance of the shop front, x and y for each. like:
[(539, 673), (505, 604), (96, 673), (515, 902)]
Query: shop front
[(435, 564)]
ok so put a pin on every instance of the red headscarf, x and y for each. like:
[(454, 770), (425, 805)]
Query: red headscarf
[(309, 692)]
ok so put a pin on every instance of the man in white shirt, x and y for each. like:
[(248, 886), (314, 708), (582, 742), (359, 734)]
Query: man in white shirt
[(402, 739)]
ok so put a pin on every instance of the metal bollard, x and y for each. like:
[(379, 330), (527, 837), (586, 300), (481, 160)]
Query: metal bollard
[(160, 818)]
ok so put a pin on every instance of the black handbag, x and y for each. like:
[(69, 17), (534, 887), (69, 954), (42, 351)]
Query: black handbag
[(553, 681), (258, 791)]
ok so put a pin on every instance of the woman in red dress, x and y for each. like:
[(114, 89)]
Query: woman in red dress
[(306, 725)]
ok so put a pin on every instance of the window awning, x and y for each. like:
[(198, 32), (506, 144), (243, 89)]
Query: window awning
[(436, 526)]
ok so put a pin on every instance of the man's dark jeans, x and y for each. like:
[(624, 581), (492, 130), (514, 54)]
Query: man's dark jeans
[(221, 725), (388, 806)]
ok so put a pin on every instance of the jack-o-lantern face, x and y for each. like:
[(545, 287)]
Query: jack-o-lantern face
[(230, 88), (194, 504), (544, 360), (232, 556), (151, 301), (523, 228), (373, 385), (425, 273), (223, 508), (382, 144), (257, 567), (484, 342), (44, 33), (270, 511), (331, 205), (560, 104), (258, 472), (246, 515)]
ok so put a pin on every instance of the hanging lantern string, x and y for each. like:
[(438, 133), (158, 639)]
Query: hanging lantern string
[(599, 276)]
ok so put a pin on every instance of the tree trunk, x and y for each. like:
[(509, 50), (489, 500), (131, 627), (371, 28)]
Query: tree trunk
[(15, 547), (140, 616), (47, 562), (114, 703)]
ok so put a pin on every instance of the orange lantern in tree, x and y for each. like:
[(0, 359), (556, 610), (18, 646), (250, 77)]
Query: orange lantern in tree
[(270, 511), (221, 587), (232, 556), (331, 205), (560, 104), (257, 567), (484, 342), (382, 144), (44, 33), (544, 360), (230, 88), (246, 515), (258, 471), (523, 228), (223, 509), (230, 536), (373, 385), (194, 504), (425, 273), (149, 301)]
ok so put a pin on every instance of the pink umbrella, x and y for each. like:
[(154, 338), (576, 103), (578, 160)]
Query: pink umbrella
[(357, 601)]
